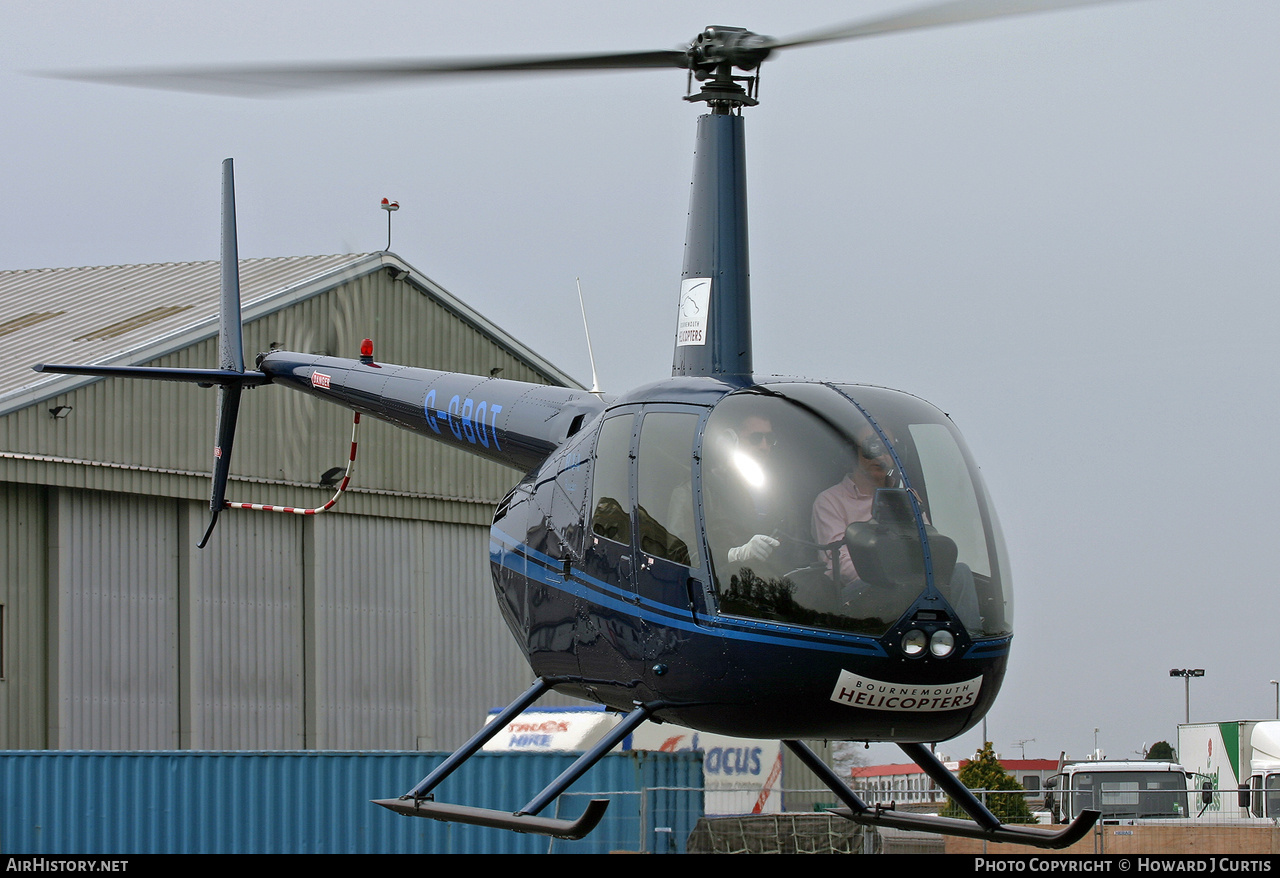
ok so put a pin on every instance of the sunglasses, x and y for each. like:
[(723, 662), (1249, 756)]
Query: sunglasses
[(761, 438), (872, 448)]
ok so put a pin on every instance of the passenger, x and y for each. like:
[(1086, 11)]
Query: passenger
[(851, 500)]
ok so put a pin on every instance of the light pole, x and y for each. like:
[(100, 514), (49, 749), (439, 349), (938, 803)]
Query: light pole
[(1186, 674), (1276, 683)]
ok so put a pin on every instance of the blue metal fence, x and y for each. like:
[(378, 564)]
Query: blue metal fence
[(76, 802)]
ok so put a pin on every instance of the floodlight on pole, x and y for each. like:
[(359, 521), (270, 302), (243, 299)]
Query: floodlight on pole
[(1186, 674)]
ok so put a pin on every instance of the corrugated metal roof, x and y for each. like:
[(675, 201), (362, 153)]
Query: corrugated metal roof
[(132, 314)]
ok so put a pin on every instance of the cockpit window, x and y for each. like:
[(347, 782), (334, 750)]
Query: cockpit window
[(840, 507), (665, 487), (610, 490)]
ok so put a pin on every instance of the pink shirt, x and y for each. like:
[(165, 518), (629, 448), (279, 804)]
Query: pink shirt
[(834, 510)]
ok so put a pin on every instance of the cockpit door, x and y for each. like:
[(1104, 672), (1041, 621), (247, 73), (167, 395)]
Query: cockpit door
[(609, 554), (644, 539), (671, 573), (669, 566)]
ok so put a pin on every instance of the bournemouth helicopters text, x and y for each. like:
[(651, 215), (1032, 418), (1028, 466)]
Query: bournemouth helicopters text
[(759, 557)]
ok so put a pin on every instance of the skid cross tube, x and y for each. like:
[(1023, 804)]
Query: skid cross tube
[(827, 776), (478, 740), (950, 784), (984, 824)]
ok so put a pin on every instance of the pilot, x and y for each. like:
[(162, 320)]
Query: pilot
[(755, 444), (740, 507)]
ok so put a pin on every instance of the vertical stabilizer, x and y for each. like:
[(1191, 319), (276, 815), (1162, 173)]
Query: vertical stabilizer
[(230, 342), (230, 351)]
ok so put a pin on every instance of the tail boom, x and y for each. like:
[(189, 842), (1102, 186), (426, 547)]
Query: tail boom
[(515, 423)]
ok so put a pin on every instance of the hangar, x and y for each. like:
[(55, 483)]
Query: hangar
[(369, 627)]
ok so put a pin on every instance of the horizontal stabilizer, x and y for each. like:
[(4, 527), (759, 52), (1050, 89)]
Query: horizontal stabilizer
[(222, 377), (570, 829)]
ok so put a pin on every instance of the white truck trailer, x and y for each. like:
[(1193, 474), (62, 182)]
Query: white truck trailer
[(1241, 759)]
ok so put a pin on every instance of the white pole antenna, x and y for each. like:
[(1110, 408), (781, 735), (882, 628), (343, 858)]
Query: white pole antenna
[(595, 382)]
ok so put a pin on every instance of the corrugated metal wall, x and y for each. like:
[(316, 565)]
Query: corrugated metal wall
[(24, 623), (326, 632), (243, 632), (370, 626), (115, 608), (112, 804)]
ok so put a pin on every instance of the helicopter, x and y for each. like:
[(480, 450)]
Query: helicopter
[(739, 554)]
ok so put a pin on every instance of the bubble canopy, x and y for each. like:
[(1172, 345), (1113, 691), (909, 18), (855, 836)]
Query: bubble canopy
[(845, 507)]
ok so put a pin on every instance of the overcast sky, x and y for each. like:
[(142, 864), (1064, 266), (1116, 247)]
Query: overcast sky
[(1063, 229)]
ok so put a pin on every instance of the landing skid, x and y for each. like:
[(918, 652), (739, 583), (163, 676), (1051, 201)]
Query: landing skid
[(518, 822), (420, 802), (984, 824)]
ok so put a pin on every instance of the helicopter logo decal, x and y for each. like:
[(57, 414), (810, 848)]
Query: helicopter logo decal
[(857, 691), (695, 295)]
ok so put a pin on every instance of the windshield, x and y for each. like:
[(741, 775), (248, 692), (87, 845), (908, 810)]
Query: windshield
[(1131, 794), (841, 507), (1271, 796)]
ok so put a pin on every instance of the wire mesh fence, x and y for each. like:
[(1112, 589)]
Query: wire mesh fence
[(776, 831), (1212, 826)]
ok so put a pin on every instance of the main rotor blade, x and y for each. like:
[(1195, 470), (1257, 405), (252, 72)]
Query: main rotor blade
[(274, 79), (265, 80), (936, 15)]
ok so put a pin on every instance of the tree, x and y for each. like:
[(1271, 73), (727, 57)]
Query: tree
[(1163, 751), (984, 772)]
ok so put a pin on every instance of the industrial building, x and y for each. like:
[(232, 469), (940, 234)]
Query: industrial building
[(908, 784), (372, 626)]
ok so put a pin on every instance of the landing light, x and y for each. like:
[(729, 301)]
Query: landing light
[(942, 643), (914, 642)]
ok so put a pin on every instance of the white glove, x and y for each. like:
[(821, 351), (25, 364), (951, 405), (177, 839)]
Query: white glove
[(758, 548)]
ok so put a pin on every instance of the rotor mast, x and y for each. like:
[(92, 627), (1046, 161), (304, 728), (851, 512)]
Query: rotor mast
[(713, 331)]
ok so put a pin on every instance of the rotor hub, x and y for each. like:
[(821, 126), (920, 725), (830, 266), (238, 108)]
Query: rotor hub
[(712, 58), (718, 45)]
